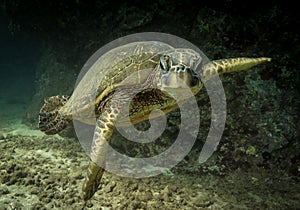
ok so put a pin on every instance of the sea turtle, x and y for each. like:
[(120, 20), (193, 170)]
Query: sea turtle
[(167, 68)]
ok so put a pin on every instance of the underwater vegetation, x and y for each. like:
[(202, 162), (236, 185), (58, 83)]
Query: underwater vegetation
[(257, 162)]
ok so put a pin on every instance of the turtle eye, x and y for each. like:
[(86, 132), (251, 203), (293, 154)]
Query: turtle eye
[(165, 63)]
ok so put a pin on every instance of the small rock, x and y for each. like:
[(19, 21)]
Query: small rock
[(202, 202), (16, 205), (21, 174), (147, 180), (89, 204), (166, 194), (134, 187), (34, 191), (46, 200), (79, 176), (29, 182), (12, 181), (109, 188), (11, 168), (51, 195), (183, 202), (58, 196), (37, 206), (173, 188), (135, 205), (19, 194), (71, 201), (4, 190), (144, 196)]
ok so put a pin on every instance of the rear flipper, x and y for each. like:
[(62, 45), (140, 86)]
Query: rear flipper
[(51, 121)]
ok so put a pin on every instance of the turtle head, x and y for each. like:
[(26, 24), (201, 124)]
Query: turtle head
[(176, 72)]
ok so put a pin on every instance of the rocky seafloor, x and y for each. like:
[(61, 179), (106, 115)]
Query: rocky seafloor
[(47, 172)]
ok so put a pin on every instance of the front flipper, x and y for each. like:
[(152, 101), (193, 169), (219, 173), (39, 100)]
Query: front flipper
[(104, 128), (229, 65)]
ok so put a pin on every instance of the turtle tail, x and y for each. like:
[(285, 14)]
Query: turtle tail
[(51, 121), (230, 65)]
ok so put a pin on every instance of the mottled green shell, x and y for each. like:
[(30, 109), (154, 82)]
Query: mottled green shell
[(128, 70), (111, 69)]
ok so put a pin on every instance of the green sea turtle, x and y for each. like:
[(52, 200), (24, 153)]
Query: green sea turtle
[(168, 69)]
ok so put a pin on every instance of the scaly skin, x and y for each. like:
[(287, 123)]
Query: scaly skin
[(102, 135), (230, 65)]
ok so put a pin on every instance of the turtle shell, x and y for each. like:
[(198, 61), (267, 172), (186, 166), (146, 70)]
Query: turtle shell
[(110, 70)]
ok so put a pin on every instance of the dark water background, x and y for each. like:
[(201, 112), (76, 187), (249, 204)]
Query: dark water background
[(20, 54)]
